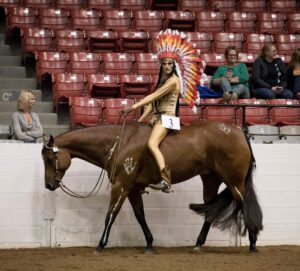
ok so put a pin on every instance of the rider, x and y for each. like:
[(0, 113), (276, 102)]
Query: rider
[(173, 49)]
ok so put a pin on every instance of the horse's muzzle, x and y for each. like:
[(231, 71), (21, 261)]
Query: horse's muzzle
[(52, 186)]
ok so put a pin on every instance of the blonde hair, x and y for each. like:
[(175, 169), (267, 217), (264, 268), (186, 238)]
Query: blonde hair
[(23, 100)]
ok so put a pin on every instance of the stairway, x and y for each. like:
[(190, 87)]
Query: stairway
[(13, 79)]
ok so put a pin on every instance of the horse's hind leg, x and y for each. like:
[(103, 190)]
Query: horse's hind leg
[(118, 195), (211, 185), (136, 201)]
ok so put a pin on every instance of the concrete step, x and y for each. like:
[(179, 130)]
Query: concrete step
[(12, 72), (2, 38), (45, 107), (17, 83), (5, 50), (55, 129), (45, 118), (8, 95), (10, 60)]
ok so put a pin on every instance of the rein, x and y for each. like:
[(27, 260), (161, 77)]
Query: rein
[(94, 191)]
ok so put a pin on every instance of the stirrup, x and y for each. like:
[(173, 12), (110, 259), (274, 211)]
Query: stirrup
[(163, 186)]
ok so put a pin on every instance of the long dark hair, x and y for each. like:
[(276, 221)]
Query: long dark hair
[(295, 60)]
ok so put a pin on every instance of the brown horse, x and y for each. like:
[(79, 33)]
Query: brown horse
[(216, 151)]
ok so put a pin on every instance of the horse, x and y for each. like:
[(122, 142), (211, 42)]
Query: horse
[(218, 152)]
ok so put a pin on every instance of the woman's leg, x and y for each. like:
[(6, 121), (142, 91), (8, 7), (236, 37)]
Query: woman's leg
[(157, 135), (241, 91), (286, 94), (225, 85)]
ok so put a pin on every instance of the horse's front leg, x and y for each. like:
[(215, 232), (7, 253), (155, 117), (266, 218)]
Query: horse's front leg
[(136, 201), (117, 198)]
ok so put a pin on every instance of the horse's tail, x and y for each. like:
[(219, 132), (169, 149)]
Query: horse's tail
[(224, 211)]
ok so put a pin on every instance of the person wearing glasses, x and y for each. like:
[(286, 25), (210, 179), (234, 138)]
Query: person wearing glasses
[(231, 79), (269, 75)]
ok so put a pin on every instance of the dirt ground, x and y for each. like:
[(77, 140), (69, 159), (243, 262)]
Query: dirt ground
[(272, 258)]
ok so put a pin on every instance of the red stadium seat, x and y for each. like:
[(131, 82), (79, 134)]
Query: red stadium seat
[(117, 63), (69, 40), (65, 85), (112, 108), (180, 20), (210, 21), (285, 6), (247, 59), (223, 40), (10, 3), (50, 63), (41, 4), (284, 115), (118, 20), (187, 114), (69, 4), (147, 20), (19, 18), (254, 42), (287, 43), (85, 111), (100, 4), (146, 63), (163, 5), (253, 115), (102, 41), (192, 5), (202, 41), (135, 85), (240, 22), (153, 35), (270, 23), (36, 39), (220, 113), (252, 5), (223, 6), (213, 61), (84, 62), (103, 86), (85, 19), (285, 58), (53, 18), (134, 41), (293, 23), (132, 4)]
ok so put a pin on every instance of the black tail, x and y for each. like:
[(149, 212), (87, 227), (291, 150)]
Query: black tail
[(223, 211)]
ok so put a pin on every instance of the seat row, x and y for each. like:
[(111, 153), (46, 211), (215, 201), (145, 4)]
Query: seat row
[(41, 39), (147, 20), (68, 85), (198, 5), (88, 111)]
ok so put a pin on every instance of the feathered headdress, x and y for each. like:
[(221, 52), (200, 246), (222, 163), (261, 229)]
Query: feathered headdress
[(189, 66)]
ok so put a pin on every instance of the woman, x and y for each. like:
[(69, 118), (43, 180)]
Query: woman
[(173, 49), (232, 78), (269, 75), (293, 73), (26, 125)]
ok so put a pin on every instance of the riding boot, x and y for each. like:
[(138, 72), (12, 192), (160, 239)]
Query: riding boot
[(165, 183)]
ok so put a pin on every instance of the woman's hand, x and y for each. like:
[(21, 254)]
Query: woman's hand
[(125, 111)]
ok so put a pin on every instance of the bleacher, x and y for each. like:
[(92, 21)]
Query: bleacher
[(93, 52)]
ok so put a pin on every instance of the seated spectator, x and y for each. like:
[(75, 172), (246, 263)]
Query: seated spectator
[(269, 75), (293, 73), (26, 125), (232, 78)]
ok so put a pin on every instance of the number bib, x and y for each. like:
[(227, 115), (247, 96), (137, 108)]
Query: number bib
[(170, 122)]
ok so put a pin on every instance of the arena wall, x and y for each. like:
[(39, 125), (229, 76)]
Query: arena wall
[(31, 216)]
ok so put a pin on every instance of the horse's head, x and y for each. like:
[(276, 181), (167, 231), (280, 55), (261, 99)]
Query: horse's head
[(57, 161)]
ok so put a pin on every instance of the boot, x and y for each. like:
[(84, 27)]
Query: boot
[(165, 183)]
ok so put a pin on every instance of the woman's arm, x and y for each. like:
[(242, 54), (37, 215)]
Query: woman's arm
[(17, 130), (37, 130), (218, 74), (243, 76), (167, 87), (146, 113)]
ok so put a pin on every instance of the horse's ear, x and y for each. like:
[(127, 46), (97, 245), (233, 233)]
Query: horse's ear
[(51, 140), (45, 138)]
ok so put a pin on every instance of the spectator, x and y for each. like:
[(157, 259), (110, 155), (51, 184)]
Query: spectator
[(293, 73), (26, 125), (232, 78), (269, 75)]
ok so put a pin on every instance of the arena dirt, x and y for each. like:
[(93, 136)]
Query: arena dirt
[(272, 258)]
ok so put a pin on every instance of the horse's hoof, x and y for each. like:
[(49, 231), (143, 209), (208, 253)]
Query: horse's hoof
[(149, 251), (98, 250), (253, 250), (197, 249)]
